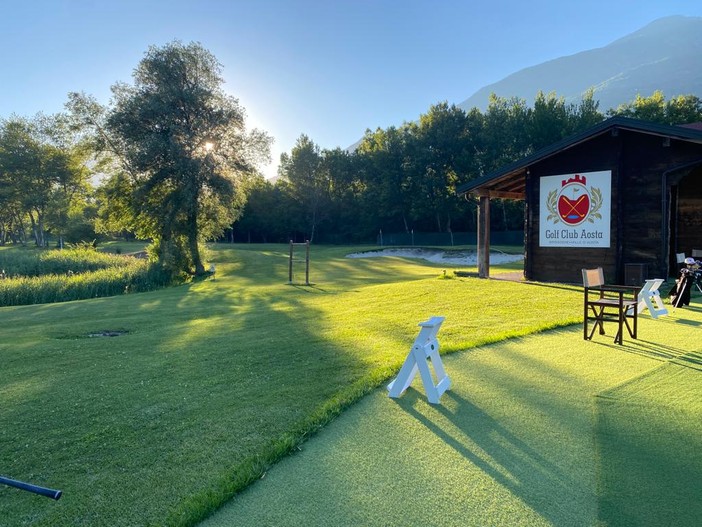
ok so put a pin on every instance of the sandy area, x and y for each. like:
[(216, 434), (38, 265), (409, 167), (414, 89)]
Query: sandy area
[(466, 257)]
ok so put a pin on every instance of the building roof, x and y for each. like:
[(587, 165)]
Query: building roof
[(509, 181)]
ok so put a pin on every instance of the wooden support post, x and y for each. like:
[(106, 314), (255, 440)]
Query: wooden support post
[(484, 237), (290, 264), (292, 260)]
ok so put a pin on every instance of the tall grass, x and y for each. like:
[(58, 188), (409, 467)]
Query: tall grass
[(39, 262), (41, 277)]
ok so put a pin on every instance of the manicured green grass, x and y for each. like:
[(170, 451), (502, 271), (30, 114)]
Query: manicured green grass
[(212, 382), (541, 430)]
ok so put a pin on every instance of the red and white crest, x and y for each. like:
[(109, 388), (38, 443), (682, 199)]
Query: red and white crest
[(574, 200)]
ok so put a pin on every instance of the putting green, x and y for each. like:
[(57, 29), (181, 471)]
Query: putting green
[(529, 434)]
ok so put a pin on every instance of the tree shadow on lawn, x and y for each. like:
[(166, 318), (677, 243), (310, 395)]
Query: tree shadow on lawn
[(200, 384)]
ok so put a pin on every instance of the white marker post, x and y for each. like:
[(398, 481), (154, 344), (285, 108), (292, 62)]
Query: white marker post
[(424, 350)]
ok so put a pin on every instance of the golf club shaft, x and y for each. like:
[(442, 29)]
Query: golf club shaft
[(49, 493)]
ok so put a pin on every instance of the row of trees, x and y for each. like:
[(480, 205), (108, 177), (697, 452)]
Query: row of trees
[(404, 178), (174, 163)]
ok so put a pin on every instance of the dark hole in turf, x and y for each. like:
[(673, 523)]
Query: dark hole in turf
[(108, 333)]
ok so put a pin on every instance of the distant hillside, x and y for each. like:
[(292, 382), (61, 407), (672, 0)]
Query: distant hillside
[(665, 55)]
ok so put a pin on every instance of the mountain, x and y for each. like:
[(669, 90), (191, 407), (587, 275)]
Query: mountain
[(665, 55)]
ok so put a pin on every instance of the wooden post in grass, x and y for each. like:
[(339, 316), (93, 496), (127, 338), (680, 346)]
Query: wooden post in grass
[(484, 237), (424, 350), (290, 263), (306, 260)]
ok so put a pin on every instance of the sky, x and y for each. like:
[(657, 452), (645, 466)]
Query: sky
[(329, 69)]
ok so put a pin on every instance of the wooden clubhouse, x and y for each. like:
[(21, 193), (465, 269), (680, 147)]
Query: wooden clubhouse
[(624, 195)]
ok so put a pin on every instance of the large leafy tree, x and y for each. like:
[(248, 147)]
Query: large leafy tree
[(443, 151), (182, 150), (307, 182)]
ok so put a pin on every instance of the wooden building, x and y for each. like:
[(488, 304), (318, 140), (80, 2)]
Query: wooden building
[(624, 195)]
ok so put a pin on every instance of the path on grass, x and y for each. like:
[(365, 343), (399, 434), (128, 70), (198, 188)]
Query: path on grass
[(542, 430)]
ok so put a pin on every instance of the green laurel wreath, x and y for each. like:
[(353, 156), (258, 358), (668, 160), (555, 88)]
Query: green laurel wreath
[(595, 205), (551, 202)]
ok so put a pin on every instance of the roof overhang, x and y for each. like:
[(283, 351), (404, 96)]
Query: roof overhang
[(510, 181)]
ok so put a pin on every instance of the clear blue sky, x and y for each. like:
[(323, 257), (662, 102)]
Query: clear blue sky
[(325, 68)]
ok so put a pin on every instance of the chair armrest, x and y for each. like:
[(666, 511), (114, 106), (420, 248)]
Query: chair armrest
[(619, 288)]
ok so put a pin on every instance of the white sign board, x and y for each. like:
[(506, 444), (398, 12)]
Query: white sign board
[(575, 210)]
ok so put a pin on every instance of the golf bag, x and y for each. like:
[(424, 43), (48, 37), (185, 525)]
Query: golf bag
[(680, 294)]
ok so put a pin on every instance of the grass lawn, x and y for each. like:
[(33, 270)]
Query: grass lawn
[(543, 430), (210, 383)]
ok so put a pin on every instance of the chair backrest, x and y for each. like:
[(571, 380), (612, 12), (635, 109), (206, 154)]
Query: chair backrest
[(697, 253), (593, 277), (680, 257)]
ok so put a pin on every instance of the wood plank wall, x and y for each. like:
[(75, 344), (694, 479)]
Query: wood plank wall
[(638, 162)]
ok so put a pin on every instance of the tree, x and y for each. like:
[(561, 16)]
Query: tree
[(182, 149), (348, 221), (42, 173), (682, 109), (443, 152), (308, 183), (383, 162)]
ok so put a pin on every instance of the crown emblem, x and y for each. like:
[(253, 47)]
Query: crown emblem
[(577, 179)]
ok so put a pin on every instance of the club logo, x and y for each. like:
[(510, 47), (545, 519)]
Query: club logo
[(574, 203)]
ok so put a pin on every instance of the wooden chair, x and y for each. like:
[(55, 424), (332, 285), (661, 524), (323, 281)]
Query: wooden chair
[(603, 303)]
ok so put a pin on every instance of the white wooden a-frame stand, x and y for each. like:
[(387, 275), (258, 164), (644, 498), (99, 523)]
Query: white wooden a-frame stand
[(650, 298), (425, 346)]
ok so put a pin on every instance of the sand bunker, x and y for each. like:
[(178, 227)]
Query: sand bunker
[(467, 257)]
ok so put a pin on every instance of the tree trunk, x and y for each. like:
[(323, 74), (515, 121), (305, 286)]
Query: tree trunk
[(194, 248), (314, 225), (36, 230)]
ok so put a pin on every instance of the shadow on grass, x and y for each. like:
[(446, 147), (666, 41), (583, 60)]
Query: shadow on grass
[(525, 471), (214, 381), (219, 377), (649, 439)]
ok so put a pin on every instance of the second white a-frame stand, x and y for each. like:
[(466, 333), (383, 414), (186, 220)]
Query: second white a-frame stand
[(424, 350), (650, 298)]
